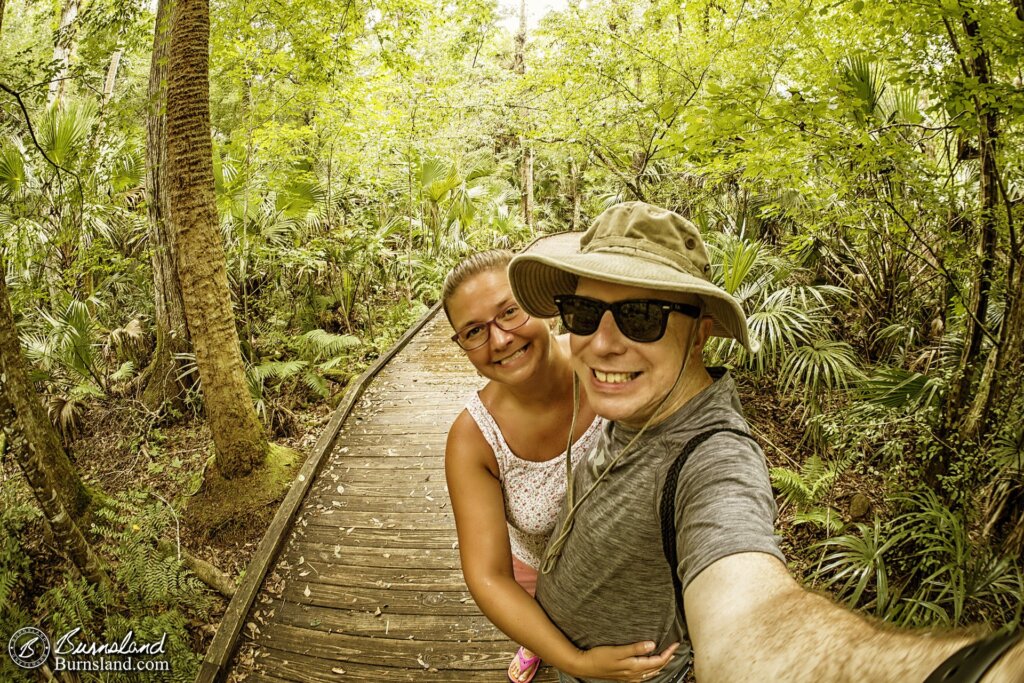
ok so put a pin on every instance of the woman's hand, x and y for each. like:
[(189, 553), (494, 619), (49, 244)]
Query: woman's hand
[(633, 663)]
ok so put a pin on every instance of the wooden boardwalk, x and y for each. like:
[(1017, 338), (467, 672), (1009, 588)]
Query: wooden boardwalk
[(366, 585)]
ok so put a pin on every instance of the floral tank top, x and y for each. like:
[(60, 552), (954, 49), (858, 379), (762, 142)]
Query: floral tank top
[(533, 491)]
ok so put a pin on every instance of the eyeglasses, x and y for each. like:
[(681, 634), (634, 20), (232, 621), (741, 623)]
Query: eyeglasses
[(642, 320), (476, 335)]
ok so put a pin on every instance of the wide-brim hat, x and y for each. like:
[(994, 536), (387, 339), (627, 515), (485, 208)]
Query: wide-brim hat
[(634, 244)]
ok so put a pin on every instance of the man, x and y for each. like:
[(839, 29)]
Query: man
[(634, 293)]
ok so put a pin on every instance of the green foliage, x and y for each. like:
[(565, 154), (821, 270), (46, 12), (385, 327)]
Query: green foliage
[(855, 566), (900, 389), (361, 151), (808, 488), (64, 131), (818, 368), (15, 569), (921, 568)]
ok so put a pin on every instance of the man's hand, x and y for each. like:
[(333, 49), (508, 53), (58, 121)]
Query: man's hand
[(633, 663)]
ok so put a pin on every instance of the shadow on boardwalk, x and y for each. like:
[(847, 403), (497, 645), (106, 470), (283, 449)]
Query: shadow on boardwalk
[(368, 586)]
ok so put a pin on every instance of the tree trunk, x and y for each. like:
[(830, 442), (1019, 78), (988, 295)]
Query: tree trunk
[(64, 48), (111, 79), (199, 254), (965, 407), (526, 178), (31, 440), (526, 152), (160, 380), (1009, 361), (574, 194)]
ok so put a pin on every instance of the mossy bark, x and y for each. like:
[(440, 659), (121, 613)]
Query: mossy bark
[(241, 445), (160, 381), (32, 442)]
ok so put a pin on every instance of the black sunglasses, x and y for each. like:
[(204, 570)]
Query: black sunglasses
[(642, 320)]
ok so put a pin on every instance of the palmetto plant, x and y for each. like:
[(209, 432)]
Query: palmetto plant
[(321, 356), (900, 389), (1004, 494), (953, 575), (819, 368), (782, 313), (67, 343), (856, 566)]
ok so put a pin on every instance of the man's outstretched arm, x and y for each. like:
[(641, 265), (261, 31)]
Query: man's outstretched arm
[(749, 620)]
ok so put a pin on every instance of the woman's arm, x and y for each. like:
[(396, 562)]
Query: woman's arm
[(486, 555)]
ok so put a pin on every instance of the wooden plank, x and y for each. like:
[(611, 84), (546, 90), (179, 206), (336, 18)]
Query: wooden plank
[(397, 558), (303, 668), (224, 642), (413, 476), (384, 579), (386, 652), (380, 489), (387, 625), (381, 520), (441, 603), (381, 538)]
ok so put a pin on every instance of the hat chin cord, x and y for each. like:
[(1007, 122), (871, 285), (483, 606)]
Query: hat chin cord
[(554, 548)]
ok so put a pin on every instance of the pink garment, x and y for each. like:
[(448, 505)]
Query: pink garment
[(533, 491), (526, 576)]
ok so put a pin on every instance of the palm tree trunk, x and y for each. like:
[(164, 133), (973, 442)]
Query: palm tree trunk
[(31, 440), (199, 254), (160, 380)]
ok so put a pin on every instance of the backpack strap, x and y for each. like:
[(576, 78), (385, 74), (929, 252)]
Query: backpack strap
[(668, 504)]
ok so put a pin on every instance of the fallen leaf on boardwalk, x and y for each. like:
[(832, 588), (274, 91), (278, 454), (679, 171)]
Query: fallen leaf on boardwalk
[(340, 489), (430, 499), (306, 592), (422, 662), (377, 612), (337, 670), (387, 555), (301, 559)]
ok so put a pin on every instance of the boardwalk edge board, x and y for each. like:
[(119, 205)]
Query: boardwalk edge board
[(222, 648)]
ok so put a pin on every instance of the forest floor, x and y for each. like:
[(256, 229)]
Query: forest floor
[(120, 450)]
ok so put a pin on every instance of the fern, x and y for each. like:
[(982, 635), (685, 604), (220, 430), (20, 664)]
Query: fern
[(319, 345), (805, 490)]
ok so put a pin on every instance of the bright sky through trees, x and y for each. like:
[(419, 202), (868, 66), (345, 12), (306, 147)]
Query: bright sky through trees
[(535, 9)]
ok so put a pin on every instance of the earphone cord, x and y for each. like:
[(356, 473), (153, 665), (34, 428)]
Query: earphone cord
[(554, 549)]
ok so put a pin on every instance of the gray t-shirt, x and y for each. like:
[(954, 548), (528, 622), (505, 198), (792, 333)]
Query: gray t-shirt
[(612, 584)]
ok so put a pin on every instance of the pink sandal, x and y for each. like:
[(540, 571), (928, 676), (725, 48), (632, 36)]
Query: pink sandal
[(527, 665)]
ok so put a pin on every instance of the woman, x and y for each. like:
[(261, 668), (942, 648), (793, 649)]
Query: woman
[(505, 466)]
